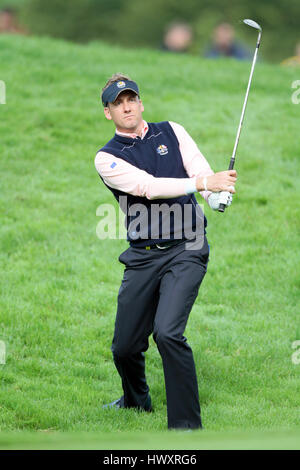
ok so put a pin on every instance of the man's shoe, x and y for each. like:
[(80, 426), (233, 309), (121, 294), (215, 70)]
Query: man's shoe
[(115, 404), (148, 405), (120, 404)]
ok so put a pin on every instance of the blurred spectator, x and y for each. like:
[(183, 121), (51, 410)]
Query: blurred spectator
[(8, 22), (294, 60), (178, 37), (224, 44)]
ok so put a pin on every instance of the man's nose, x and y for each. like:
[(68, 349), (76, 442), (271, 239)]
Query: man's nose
[(126, 107)]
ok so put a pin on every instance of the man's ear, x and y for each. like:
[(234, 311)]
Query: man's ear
[(107, 113), (142, 106)]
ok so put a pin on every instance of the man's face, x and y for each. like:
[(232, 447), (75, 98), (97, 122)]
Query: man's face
[(224, 36), (6, 21), (125, 112)]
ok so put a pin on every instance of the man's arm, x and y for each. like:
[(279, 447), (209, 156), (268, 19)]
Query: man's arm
[(194, 161), (198, 167), (121, 175)]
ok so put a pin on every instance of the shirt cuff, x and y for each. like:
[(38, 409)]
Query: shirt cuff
[(190, 186)]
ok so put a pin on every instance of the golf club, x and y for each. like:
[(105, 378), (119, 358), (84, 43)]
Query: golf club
[(255, 25)]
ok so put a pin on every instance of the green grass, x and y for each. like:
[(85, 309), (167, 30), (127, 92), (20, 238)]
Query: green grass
[(59, 282), (146, 440)]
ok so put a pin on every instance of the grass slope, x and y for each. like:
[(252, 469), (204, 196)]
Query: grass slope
[(59, 282)]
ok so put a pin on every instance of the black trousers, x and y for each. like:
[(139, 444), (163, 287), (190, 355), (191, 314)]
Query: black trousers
[(156, 296)]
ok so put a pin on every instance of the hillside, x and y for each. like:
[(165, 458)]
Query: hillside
[(59, 282)]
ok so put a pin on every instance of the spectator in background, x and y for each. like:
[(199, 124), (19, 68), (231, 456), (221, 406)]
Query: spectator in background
[(294, 60), (224, 44), (178, 37), (8, 22)]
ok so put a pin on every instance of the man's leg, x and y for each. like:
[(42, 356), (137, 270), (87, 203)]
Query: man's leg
[(178, 291), (137, 303)]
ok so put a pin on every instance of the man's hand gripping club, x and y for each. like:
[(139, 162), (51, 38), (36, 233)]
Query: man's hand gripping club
[(221, 185)]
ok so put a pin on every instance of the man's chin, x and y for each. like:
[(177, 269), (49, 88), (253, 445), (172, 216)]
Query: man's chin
[(130, 125)]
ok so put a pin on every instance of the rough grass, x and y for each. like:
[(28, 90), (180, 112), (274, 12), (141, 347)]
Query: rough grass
[(59, 282)]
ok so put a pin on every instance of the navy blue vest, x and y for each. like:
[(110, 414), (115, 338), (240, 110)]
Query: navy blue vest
[(157, 220)]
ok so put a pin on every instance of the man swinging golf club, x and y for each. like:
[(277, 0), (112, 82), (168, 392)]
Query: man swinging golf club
[(150, 164), (154, 164)]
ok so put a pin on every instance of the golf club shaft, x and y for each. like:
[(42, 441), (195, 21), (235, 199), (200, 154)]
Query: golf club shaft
[(232, 160)]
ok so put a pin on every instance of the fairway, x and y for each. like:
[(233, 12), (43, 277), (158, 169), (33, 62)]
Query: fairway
[(59, 282)]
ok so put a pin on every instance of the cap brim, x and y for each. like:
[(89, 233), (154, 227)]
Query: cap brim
[(112, 98), (121, 91), (111, 93)]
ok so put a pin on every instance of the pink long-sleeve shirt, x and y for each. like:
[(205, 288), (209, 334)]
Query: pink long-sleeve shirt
[(130, 179)]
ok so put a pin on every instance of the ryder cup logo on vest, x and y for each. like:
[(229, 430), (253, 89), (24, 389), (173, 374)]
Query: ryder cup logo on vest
[(121, 84), (162, 150)]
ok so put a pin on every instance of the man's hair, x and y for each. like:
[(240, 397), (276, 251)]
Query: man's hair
[(116, 77)]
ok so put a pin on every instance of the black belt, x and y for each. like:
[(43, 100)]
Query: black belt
[(164, 245)]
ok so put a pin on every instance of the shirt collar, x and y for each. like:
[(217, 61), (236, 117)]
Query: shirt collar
[(134, 135)]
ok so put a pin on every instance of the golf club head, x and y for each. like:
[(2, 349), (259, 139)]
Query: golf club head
[(253, 24)]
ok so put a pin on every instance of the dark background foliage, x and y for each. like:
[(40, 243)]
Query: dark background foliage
[(136, 23)]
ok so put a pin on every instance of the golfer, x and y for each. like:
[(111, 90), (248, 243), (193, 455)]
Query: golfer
[(155, 169)]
